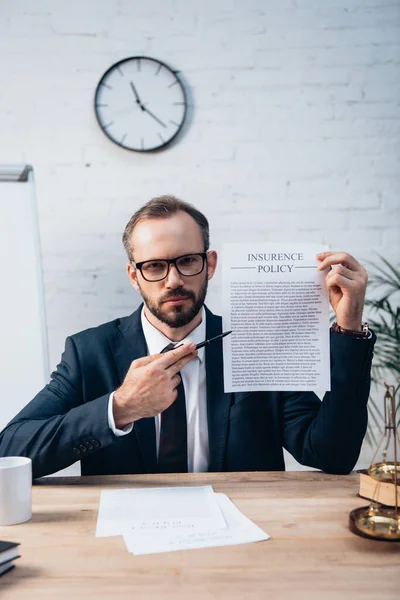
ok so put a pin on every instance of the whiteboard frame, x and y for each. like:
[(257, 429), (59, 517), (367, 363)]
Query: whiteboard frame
[(15, 174)]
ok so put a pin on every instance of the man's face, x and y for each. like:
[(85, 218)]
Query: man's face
[(177, 299)]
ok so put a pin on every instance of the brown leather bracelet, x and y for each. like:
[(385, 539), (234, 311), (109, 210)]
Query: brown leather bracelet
[(359, 335)]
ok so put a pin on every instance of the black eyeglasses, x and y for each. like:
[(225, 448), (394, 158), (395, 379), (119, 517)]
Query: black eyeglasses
[(158, 269)]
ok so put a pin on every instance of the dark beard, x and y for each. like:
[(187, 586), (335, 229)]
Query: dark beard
[(181, 316)]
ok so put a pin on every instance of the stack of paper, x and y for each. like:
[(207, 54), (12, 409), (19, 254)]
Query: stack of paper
[(173, 518)]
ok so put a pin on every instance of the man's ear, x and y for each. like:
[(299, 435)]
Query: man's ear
[(132, 274), (212, 259)]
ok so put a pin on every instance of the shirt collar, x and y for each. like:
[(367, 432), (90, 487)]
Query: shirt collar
[(156, 340)]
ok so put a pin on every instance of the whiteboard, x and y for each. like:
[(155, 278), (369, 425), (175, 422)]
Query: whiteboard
[(24, 364)]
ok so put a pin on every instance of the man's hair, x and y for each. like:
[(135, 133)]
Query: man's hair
[(164, 207)]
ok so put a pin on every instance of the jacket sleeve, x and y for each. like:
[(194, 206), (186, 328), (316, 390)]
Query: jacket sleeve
[(57, 427), (328, 435)]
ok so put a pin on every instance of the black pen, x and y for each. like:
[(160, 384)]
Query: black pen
[(217, 337)]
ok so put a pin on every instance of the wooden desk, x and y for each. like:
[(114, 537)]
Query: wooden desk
[(312, 554)]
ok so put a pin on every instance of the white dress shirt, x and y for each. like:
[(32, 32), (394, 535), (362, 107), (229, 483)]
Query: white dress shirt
[(194, 382)]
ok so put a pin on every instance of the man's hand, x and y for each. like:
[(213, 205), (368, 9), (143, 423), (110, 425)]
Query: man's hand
[(346, 281), (150, 386)]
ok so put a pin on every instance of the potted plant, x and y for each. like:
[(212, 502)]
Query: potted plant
[(383, 315)]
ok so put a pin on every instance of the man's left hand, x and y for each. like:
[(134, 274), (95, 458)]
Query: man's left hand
[(346, 281)]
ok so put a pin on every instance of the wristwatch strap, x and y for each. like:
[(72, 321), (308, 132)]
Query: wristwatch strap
[(359, 335)]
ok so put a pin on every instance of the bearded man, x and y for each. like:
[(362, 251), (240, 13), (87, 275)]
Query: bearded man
[(120, 404)]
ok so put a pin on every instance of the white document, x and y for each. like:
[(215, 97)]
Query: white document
[(154, 509), (276, 303), (239, 530)]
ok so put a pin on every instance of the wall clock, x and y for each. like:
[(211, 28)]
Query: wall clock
[(140, 104)]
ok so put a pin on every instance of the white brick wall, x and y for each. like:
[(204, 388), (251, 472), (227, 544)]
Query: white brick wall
[(294, 130)]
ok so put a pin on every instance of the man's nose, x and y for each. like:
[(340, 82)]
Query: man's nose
[(174, 278)]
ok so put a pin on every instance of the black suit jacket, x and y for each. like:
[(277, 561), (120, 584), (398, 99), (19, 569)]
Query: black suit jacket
[(67, 420)]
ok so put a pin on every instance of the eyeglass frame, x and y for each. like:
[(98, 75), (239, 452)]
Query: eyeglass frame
[(170, 261)]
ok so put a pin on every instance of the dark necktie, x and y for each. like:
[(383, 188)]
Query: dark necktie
[(172, 453)]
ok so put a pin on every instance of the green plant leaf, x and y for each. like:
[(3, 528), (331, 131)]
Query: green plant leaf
[(384, 320)]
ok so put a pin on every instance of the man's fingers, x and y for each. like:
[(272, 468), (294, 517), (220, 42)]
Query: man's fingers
[(340, 270), (145, 360), (167, 359), (338, 258), (176, 367), (342, 282), (171, 357), (174, 358), (175, 381)]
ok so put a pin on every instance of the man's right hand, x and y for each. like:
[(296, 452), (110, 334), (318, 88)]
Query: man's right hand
[(150, 386)]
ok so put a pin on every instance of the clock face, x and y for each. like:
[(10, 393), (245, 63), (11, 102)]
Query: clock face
[(140, 104)]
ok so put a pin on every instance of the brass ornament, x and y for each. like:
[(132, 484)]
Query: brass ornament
[(377, 521)]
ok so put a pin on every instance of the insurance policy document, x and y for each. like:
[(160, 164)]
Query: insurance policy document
[(276, 303)]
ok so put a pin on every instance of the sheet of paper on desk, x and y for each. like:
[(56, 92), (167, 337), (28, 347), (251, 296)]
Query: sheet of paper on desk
[(239, 530), (153, 509), (276, 303)]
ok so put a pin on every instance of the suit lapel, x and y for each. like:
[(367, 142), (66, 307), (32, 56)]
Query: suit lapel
[(218, 403), (128, 345)]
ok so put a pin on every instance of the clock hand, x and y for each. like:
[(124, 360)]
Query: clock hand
[(153, 115), (143, 106), (136, 94)]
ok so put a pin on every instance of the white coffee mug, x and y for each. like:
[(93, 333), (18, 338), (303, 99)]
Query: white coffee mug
[(15, 490)]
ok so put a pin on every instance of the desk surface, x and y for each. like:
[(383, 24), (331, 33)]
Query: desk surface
[(312, 554)]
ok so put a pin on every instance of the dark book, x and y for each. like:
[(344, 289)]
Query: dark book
[(4, 567), (8, 551)]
